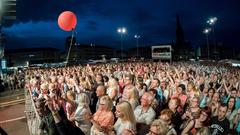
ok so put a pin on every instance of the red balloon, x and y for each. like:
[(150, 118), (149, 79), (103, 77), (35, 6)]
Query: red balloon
[(67, 20)]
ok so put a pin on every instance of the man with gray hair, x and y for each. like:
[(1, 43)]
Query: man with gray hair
[(144, 113)]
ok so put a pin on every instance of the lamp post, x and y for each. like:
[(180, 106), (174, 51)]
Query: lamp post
[(122, 31), (93, 50), (206, 31), (1, 44), (137, 37), (211, 21)]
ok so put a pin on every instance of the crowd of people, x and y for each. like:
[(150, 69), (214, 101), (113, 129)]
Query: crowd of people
[(137, 99), (12, 81)]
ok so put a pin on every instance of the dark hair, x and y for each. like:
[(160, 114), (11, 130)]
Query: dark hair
[(154, 91), (234, 89), (157, 80), (233, 104), (211, 88), (201, 87), (207, 110), (41, 101), (105, 78), (182, 86), (144, 84), (224, 105)]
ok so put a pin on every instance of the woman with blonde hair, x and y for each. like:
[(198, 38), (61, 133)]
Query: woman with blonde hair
[(113, 89), (158, 127), (83, 113), (204, 131), (192, 91), (126, 118), (71, 105), (132, 97), (103, 119), (83, 83)]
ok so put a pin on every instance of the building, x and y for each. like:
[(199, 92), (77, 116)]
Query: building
[(220, 51), (142, 52), (182, 50), (20, 57), (80, 53)]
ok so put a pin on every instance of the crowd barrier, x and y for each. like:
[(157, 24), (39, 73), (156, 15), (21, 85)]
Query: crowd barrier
[(33, 118)]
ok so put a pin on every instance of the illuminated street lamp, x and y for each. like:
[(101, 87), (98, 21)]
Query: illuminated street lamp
[(137, 37), (122, 31), (206, 32), (212, 21)]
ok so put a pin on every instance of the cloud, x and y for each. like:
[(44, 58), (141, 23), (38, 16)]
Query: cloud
[(92, 25), (98, 20)]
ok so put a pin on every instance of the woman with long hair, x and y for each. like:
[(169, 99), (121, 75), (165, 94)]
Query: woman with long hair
[(83, 113), (113, 89), (126, 119), (231, 106), (71, 105), (206, 96), (232, 113), (132, 97), (192, 91), (214, 104)]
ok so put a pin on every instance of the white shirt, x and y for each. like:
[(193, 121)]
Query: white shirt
[(119, 126), (144, 117)]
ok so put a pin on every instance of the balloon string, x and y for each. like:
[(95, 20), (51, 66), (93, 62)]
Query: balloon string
[(70, 47)]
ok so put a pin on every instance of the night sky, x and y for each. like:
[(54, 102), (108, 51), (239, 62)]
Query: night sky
[(98, 20)]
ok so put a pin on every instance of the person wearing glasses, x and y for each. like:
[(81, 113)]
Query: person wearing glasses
[(192, 110), (103, 119), (158, 127)]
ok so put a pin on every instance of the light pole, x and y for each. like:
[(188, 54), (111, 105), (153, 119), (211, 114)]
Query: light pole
[(122, 31), (206, 31), (70, 47), (93, 50), (211, 21), (1, 44), (137, 37)]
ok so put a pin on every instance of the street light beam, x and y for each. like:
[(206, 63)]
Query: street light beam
[(124, 30)]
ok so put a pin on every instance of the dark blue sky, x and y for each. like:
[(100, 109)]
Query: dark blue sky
[(98, 20)]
